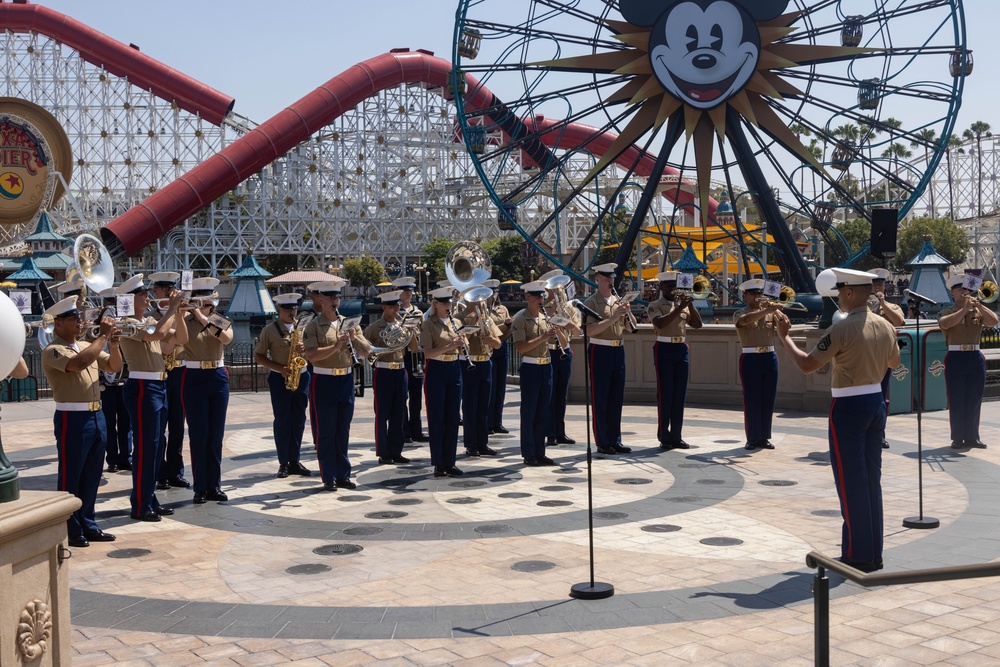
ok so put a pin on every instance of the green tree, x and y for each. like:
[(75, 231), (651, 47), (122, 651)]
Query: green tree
[(505, 255), (363, 272), (978, 131), (434, 254), (858, 233), (613, 230), (948, 238)]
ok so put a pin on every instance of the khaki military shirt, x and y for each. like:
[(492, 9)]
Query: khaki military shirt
[(321, 332), (275, 342), (202, 345), (859, 346), (889, 306), (605, 308), (563, 333), (967, 332), (374, 335), (501, 315), (436, 333), (677, 327), (478, 346), (72, 386), (142, 355), (525, 327), (759, 334)]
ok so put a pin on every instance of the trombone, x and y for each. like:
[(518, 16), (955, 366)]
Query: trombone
[(988, 292), (701, 290)]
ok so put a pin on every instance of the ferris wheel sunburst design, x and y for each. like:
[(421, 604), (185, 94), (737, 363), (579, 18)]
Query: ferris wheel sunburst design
[(764, 94)]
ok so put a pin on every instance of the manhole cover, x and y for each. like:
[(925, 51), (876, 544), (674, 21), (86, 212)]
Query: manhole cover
[(363, 530), (493, 528), (556, 488), (462, 501), (711, 481), (832, 513), (692, 465), (633, 480), (405, 501), (554, 503), (385, 515), (777, 482), (532, 566), (683, 499), (467, 483), (249, 523), (353, 499), (661, 528), (129, 553), (721, 541), (308, 568), (263, 498), (572, 480), (514, 494), (610, 515), (257, 475), (337, 549)]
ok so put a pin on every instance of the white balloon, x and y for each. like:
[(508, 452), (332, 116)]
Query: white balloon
[(11, 335), (826, 283)]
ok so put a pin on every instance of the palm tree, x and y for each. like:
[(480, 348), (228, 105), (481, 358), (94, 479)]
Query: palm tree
[(894, 152), (818, 154), (926, 138), (978, 131), (954, 144)]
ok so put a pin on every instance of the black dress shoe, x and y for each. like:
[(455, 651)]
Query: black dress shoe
[(152, 516), (165, 511), (957, 444), (471, 452), (400, 459), (346, 484), (112, 468), (453, 471), (546, 461), (125, 466), (566, 441), (680, 444), (282, 472), (751, 445), (162, 486), (486, 451), (550, 443), (217, 494), (179, 482), (532, 462), (621, 449), (330, 486), (765, 444), (439, 472), (98, 536), (500, 429), (199, 499), (384, 461), (407, 440), (296, 468), (606, 450), (420, 438), (885, 444), (975, 443), (80, 541)]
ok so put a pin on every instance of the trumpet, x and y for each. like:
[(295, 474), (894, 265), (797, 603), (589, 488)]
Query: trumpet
[(630, 319), (126, 329), (46, 326), (786, 299)]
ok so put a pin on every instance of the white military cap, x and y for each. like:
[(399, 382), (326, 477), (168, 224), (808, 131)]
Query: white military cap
[(444, 283), (290, 299), (71, 286), (756, 284), (535, 287), (956, 280), (880, 274), (441, 293), (492, 283), (164, 278), (110, 293), (852, 277), (389, 297), (550, 274), (606, 269), (63, 308), (204, 284), (667, 276), (327, 287), (404, 282), (130, 286)]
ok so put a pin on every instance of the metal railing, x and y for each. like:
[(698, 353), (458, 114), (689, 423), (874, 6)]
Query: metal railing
[(821, 589)]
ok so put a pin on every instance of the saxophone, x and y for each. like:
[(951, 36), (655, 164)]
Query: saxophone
[(295, 362)]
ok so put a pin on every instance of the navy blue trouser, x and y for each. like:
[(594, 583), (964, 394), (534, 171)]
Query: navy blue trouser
[(477, 390), (885, 397), (289, 408), (965, 381), (389, 386), (206, 400), (561, 370), (116, 420), (147, 410), (172, 465), (414, 397), (536, 397), (856, 458), (442, 394), (331, 409), (759, 377), (500, 361), (80, 441), (671, 387), (607, 393)]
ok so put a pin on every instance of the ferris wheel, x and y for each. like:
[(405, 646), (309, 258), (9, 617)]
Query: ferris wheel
[(807, 108)]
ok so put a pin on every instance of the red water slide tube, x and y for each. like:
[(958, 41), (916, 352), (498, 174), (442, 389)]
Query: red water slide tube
[(118, 59)]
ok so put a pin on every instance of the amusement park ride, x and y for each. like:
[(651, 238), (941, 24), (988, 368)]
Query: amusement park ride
[(549, 117)]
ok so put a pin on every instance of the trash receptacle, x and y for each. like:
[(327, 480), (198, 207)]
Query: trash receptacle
[(901, 377), (932, 350)]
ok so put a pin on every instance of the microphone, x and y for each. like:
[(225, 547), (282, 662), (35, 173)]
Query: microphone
[(921, 297), (579, 305)]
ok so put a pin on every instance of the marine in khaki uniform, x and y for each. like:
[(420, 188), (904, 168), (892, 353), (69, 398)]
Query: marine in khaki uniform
[(758, 362), (71, 367), (562, 367), (501, 359), (964, 365), (477, 380), (412, 362), (442, 342), (893, 314), (531, 334), (860, 347)]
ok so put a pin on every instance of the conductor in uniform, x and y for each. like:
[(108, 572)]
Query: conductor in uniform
[(389, 383), (894, 316), (274, 352), (758, 363), (670, 315), (860, 348), (964, 365), (71, 367)]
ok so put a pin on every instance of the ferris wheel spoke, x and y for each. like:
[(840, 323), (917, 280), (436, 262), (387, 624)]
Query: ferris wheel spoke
[(528, 103), (572, 9), (884, 88), (534, 33), (877, 19)]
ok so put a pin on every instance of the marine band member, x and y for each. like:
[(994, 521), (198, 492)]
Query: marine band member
[(171, 469), (894, 315), (389, 383), (562, 369), (71, 366), (477, 381), (501, 358), (412, 428), (273, 352), (118, 453), (532, 334), (442, 343)]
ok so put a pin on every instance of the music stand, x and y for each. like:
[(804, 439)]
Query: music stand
[(920, 521)]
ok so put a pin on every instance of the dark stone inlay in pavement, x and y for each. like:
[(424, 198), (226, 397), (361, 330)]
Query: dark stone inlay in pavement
[(692, 465), (633, 480), (610, 515), (257, 475), (362, 530), (513, 494), (462, 501), (395, 482), (129, 553), (385, 514), (467, 483), (572, 480), (493, 528), (556, 488), (248, 523), (831, 513), (710, 481), (262, 498), (560, 471), (338, 549), (353, 499), (728, 442), (532, 566), (661, 528), (554, 503), (683, 499), (405, 501), (777, 482), (301, 483), (721, 541), (308, 568)]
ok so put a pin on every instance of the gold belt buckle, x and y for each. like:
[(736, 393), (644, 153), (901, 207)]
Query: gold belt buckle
[(544, 360), (763, 348), (208, 364), (340, 371), (616, 343), (677, 339), (94, 406), (967, 348)]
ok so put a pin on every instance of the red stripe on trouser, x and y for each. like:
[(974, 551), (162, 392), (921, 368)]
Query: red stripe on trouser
[(746, 426), (378, 442), (62, 452), (842, 491), (314, 421), (140, 449)]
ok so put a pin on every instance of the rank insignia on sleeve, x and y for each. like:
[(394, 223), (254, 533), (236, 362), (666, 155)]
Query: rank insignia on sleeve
[(824, 343)]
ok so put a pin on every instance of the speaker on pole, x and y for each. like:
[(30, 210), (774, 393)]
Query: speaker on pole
[(885, 222)]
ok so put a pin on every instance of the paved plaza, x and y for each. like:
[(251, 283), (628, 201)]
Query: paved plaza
[(705, 548)]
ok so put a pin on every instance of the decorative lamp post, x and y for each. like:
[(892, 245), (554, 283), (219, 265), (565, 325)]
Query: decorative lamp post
[(421, 280)]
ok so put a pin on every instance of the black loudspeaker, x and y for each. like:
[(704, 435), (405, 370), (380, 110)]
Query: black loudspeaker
[(885, 222)]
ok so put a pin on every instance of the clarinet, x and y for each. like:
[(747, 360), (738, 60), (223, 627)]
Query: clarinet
[(465, 346), (355, 361)]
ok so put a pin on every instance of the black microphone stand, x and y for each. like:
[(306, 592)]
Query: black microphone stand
[(589, 590), (920, 521)]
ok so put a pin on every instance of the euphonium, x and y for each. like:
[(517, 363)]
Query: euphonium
[(170, 361), (477, 297)]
